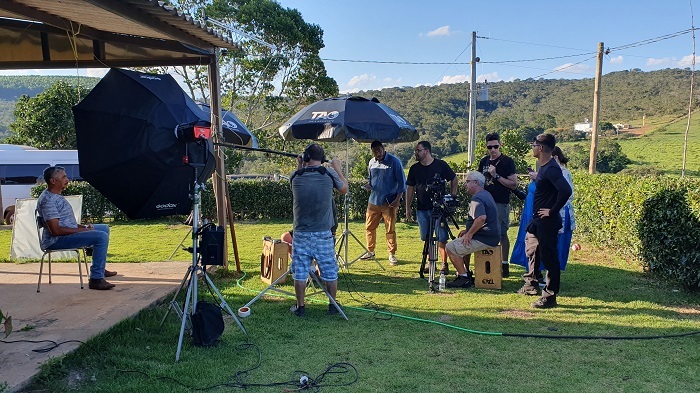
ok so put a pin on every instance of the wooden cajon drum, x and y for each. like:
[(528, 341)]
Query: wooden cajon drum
[(274, 260), (487, 268)]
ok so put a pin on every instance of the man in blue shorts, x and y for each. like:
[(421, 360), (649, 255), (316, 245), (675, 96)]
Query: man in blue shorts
[(416, 181), (312, 190)]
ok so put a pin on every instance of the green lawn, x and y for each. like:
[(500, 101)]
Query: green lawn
[(400, 338)]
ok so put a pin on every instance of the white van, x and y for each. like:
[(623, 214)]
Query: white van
[(22, 167)]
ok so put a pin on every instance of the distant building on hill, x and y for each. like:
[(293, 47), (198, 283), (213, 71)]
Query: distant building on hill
[(586, 126)]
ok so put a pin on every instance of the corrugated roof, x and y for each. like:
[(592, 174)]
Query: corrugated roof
[(99, 33)]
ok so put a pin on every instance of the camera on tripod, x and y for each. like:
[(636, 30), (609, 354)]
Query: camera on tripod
[(442, 201)]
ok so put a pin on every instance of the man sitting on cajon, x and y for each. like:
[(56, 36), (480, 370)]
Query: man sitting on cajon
[(482, 230)]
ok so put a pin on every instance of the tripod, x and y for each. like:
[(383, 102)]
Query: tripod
[(313, 278), (430, 246), (343, 241), (191, 277)]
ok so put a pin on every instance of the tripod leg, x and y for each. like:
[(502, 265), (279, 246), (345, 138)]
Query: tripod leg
[(330, 298), (193, 277), (341, 244), (173, 301), (364, 248), (224, 304), (179, 245), (271, 286)]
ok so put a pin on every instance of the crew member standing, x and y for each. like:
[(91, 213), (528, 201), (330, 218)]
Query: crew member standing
[(312, 190), (552, 192), (499, 171), (416, 181), (387, 182)]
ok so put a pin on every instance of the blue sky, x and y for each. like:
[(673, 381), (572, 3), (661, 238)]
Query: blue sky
[(439, 31)]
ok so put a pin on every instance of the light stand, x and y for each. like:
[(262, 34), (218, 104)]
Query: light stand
[(191, 277), (343, 240)]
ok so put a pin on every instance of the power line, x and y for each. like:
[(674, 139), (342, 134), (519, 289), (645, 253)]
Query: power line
[(651, 40)]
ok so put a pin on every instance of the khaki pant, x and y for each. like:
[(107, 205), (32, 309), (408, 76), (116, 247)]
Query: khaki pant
[(374, 213)]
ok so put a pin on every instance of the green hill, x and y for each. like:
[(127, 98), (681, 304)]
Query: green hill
[(13, 87)]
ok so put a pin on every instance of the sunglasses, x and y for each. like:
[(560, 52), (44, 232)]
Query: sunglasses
[(493, 147)]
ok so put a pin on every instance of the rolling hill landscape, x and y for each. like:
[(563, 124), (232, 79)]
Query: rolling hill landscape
[(654, 104)]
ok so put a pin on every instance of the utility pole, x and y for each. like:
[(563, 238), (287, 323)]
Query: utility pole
[(471, 140), (596, 109)]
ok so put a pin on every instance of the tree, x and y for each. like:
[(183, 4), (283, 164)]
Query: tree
[(260, 85), (46, 121), (610, 158)]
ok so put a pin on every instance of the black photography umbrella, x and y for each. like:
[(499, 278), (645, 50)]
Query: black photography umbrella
[(235, 132), (339, 119), (127, 144)]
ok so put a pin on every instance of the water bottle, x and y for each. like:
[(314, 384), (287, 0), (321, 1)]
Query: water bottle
[(441, 283)]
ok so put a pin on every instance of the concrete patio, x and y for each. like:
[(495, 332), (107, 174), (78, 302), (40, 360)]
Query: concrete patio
[(62, 311)]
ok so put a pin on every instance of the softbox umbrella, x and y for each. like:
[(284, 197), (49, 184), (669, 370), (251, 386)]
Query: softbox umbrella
[(235, 132), (127, 144), (339, 119)]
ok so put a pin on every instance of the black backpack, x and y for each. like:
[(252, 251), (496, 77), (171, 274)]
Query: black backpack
[(207, 324)]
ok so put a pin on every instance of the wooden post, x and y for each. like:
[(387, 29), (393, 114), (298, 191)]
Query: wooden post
[(219, 176), (596, 110), (234, 242)]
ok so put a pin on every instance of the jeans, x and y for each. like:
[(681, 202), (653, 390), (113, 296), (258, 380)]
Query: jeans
[(424, 217), (97, 238)]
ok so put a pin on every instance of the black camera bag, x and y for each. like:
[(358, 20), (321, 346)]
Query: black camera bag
[(207, 324)]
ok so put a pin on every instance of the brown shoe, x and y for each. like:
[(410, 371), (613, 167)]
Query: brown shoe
[(109, 273), (99, 284)]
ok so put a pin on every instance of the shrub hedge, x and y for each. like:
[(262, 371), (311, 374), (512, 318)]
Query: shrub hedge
[(634, 215)]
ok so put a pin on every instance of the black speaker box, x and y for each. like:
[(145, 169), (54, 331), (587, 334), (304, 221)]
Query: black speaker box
[(211, 246)]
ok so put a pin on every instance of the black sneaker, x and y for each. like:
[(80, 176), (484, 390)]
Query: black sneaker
[(332, 310), (505, 270), (545, 302), (299, 311), (460, 282), (527, 290)]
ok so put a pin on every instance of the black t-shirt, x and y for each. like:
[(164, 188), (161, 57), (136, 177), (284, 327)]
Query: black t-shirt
[(505, 166), (418, 176), (552, 191)]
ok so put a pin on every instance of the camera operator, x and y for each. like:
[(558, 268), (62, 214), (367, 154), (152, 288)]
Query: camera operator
[(418, 175), (499, 171), (481, 231), (312, 191)]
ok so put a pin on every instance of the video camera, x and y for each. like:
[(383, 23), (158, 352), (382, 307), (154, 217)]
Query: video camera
[(442, 201)]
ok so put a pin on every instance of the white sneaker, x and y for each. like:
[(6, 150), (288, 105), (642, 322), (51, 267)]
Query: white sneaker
[(367, 256), (392, 260)]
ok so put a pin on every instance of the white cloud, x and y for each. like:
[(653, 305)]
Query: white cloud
[(687, 61), (361, 80), (370, 82), (440, 31), (664, 62), (574, 68), (453, 79), (617, 60), (492, 76)]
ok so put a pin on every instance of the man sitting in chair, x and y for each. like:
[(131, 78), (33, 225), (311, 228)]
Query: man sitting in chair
[(61, 230), (482, 230)]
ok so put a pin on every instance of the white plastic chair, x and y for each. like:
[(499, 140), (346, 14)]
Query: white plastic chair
[(41, 226)]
